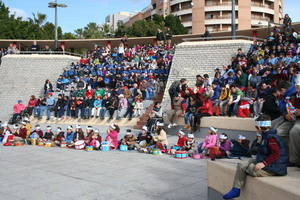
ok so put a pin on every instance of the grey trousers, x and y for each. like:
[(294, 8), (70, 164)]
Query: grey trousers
[(294, 143), (247, 168)]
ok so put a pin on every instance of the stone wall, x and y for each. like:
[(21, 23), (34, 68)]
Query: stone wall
[(24, 75), (192, 58)]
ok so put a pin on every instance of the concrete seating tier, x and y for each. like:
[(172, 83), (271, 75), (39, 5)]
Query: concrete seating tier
[(227, 123), (220, 175)]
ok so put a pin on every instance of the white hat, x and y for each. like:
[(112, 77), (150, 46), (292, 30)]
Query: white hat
[(223, 137), (241, 137), (78, 126), (160, 124), (5, 124), (191, 136), (213, 129), (26, 119), (49, 128), (23, 122), (89, 128), (37, 127), (96, 131), (15, 126), (121, 95), (112, 126), (70, 127), (58, 129), (181, 132), (145, 128)]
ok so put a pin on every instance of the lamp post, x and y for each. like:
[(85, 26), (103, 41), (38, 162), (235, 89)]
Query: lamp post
[(55, 5), (233, 26)]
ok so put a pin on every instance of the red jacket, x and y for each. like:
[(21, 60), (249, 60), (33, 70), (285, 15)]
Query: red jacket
[(206, 107)]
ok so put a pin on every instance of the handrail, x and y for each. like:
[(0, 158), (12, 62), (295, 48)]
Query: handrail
[(221, 38), (49, 53)]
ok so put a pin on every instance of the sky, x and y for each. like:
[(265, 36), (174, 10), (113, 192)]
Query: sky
[(81, 12)]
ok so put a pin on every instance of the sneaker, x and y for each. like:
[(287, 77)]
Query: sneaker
[(233, 193), (170, 126), (174, 124)]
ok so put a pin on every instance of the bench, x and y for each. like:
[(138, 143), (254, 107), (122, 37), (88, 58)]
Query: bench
[(220, 175)]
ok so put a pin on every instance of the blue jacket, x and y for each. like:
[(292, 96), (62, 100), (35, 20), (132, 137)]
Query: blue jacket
[(279, 167), (69, 137)]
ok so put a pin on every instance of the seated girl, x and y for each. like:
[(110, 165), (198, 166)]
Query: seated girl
[(160, 137), (69, 139), (79, 135), (94, 140), (8, 137), (59, 136), (36, 133), (189, 144), (209, 141), (48, 136), (112, 136), (180, 142), (222, 149), (144, 139), (130, 140)]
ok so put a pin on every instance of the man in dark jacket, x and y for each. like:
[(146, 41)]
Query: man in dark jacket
[(176, 88), (271, 159)]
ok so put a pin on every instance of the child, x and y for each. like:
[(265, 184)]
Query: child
[(222, 149), (94, 140), (129, 140), (271, 159), (138, 106), (37, 133), (209, 141), (48, 136), (240, 147), (112, 136), (189, 145), (70, 136), (180, 142), (59, 136), (160, 137), (8, 137)]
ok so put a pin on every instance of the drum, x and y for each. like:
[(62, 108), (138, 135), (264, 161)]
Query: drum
[(176, 148), (197, 156), (156, 152), (33, 141), (18, 143), (41, 143), (48, 144), (79, 145), (63, 144), (181, 154), (89, 148), (123, 148), (105, 146)]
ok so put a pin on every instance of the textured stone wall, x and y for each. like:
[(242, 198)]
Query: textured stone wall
[(24, 75), (192, 58)]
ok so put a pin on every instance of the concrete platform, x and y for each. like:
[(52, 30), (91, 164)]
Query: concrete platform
[(220, 179), (39, 173)]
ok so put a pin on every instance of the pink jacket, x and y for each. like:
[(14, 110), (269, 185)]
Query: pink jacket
[(18, 108), (210, 141), (112, 137)]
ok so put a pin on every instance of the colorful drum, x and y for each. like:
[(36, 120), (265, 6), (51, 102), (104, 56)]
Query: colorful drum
[(181, 154), (176, 148), (197, 156), (41, 143), (48, 144), (79, 145), (18, 143), (156, 152), (33, 141), (63, 144), (89, 148), (105, 146), (123, 148)]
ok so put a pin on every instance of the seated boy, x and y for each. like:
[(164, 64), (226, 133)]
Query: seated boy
[(129, 140), (271, 159), (48, 136)]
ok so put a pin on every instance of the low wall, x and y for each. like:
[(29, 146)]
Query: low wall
[(220, 175)]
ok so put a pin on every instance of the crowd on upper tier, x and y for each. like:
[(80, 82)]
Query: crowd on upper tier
[(109, 81), (246, 87)]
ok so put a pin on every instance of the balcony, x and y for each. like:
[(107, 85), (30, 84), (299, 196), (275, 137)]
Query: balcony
[(183, 12), (187, 24), (219, 21), (226, 6), (262, 9), (174, 2)]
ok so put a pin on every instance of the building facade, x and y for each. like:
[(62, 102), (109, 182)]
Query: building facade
[(114, 19), (215, 15)]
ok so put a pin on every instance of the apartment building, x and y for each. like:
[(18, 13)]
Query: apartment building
[(113, 19), (215, 15)]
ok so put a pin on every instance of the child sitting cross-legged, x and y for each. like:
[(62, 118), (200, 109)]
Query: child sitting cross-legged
[(209, 141), (271, 158), (180, 142), (222, 149), (130, 140)]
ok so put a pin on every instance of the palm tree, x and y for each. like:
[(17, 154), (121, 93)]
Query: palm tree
[(39, 18)]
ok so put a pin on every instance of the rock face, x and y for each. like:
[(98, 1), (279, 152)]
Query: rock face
[(24, 75), (192, 58)]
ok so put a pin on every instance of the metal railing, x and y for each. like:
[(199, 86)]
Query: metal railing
[(221, 38), (48, 53)]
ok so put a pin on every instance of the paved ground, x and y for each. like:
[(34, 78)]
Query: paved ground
[(32, 172)]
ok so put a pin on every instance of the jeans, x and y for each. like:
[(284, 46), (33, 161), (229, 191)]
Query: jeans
[(59, 112), (188, 118), (49, 111), (87, 112), (121, 112), (102, 113), (40, 110)]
